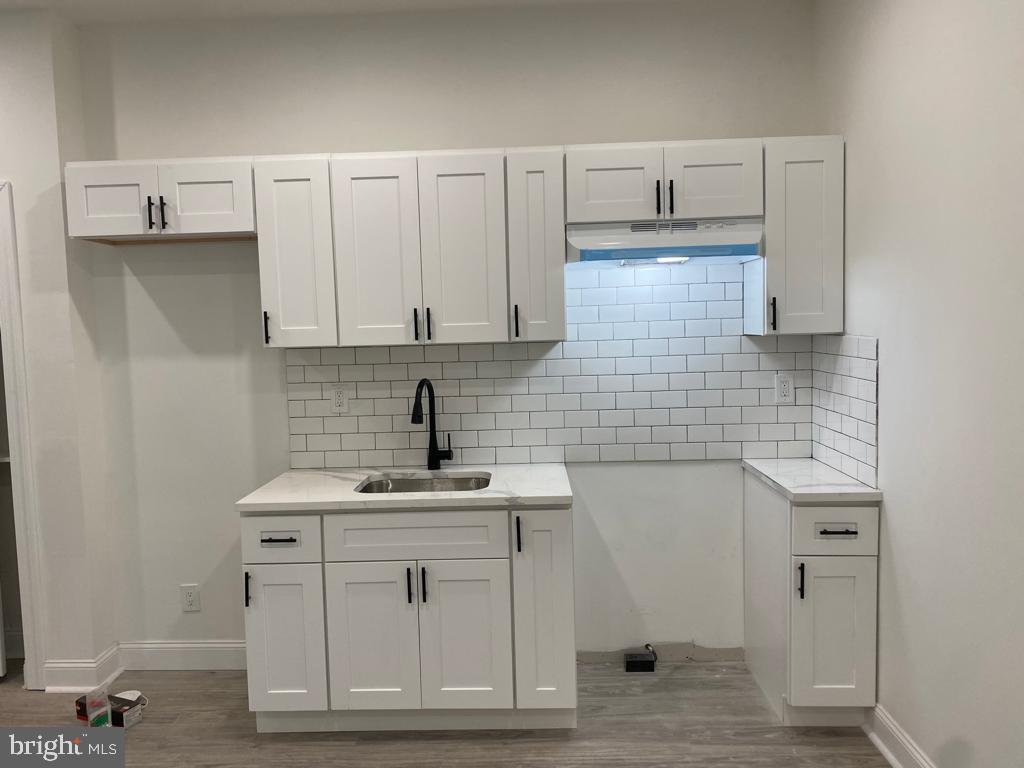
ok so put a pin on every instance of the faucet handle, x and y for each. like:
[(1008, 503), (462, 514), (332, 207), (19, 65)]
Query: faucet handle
[(448, 454)]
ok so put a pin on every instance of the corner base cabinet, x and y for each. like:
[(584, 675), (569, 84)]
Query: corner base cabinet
[(433, 619), (810, 603)]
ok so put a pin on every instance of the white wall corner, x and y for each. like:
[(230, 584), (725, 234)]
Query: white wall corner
[(82, 675), (893, 741), (183, 654)]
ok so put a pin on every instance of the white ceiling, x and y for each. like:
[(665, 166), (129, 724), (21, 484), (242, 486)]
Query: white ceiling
[(128, 10)]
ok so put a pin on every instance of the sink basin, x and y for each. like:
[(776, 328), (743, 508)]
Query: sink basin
[(422, 482)]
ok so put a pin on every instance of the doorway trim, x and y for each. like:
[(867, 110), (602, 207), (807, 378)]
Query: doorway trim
[(23, 481)]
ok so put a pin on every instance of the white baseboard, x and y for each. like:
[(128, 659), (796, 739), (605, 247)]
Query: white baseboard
[(893, 742), (82, 675), (183, 654)]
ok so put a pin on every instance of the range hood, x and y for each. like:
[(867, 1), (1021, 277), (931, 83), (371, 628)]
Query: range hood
[(665, 240)]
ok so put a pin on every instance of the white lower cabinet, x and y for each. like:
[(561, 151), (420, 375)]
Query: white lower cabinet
[(832, 632), (284, 637), (373, 635), (465, 634), (544, 627)]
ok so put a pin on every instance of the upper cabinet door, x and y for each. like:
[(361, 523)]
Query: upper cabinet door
[(462, 224), (465, 634), (111, 199), (373, 635), (544, 630), (832, 632), (803, 227), (284, 638), (714, 179), (206, 196), (613, 183), (536, 244), (377, 250), (293, 207)]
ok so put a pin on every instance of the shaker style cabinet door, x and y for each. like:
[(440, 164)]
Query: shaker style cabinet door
[(714, 179), (112, 199), (462, 227), (373, 635), (284, 638), (613, 183), (465, 634), (206, 196), (536, 244), (293, 213), (803, 227), (832, 631), (544, 616), (377, 250)]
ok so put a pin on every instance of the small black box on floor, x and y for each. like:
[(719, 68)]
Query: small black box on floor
[(641, 662)]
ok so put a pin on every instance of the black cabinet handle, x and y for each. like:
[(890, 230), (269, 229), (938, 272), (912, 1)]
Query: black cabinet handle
[(800, 589), (149, 210), (428, 323), (163, 213), (844, 532), (266, 327), (657, 196), (408, 585), (416, 323), (671, 196), (515, 312), (519, 534), (247, 595), (272, 540), (423, 582), (774, 316)]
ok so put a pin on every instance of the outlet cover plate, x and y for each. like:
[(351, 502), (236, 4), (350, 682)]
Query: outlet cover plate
[(785, 393), (338, 398), (189, 597)]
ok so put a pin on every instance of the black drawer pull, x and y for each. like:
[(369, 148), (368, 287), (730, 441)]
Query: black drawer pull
[(416, 323), (671, 197), (775, 317), (149, 210), (163, 213), (408, 585), (247, 596), (657, 196), (423, 580), (516, 313), (428, 324), (266, 327), (519, 534), (272, 540), (844, 532), (802, 568)]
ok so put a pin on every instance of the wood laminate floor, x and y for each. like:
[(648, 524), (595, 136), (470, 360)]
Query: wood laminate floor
[(687, 714)]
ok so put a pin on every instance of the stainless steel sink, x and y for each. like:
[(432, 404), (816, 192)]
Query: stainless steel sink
[(423, 482)]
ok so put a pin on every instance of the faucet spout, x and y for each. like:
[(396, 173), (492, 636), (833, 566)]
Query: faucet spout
[(434, 454)]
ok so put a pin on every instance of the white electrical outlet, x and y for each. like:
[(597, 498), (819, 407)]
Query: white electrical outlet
[(784, 393), (189, 597), (339, 398)]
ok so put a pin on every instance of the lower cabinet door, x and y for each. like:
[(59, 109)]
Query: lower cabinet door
[(284, 637), (465, 634), (833, 631), (544, 627), (373, 635)]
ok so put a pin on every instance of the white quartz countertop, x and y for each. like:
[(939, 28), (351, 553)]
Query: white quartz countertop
[(810, 481), (333, 490)]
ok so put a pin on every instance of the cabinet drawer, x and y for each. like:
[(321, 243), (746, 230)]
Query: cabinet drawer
[(281, 539), (416, 536), (835, 530)]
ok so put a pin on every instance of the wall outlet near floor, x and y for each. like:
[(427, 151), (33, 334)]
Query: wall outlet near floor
[(338, 397), (784, 393), (189, 597)]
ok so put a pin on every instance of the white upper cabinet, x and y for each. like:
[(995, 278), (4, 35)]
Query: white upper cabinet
[(536, 244), (206, 196), (377, 250), (714, 179), (373, 635), (465, 634), (832, 632), (284, 637), (112, 199), (293, 208), (613, 183), (542, 583), (462, 227), (804, 234)]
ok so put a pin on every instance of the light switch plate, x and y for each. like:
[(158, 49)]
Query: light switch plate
[(784, 389), (339, 398)]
